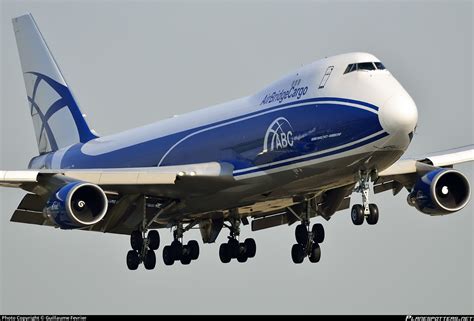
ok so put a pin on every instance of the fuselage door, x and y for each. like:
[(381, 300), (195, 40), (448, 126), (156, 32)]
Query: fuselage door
[(326, 77)]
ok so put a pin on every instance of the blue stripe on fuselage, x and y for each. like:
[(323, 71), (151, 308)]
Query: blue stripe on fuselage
[(239, 140), (312, 157), (315, 127)]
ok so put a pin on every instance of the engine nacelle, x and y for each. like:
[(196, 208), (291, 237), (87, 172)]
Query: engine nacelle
[(76, 205), (439, 192)]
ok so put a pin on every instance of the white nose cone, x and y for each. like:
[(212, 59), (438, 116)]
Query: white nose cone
[(399, 114)]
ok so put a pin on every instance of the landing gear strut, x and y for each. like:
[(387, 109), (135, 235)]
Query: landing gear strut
[(176, 251), (367, 210), (307, 240), (234, 249)]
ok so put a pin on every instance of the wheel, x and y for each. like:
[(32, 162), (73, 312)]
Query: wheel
[(224, 253), (301, 234), (250, 247), (357, 214), (315, 254), (193, 249), (133, 260), (177, 249), (297, 253), (150, 260), (186, 256), (185, 259), (233, 248), (136, 240), (373, 217), (318, 233), (242, 256), (153, 240), (168, 257)]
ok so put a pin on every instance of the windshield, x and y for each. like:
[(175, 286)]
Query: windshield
[(364, 66)]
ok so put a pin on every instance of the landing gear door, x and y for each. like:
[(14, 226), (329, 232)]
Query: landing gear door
[(326, 77)]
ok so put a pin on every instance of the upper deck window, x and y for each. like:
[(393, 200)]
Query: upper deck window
[(364, 66)]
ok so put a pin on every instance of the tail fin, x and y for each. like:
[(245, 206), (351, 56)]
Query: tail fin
[(57, 119)]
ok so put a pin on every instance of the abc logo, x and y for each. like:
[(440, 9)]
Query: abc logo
[(279, 135)]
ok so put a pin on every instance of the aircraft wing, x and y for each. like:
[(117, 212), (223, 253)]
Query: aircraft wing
[(405, 171), (124, 188), (157, 180)]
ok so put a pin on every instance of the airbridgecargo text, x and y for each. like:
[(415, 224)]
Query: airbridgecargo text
[(284, 94)]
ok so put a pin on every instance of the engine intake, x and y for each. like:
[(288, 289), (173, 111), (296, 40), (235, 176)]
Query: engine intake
[(76, 205), (439, 192)]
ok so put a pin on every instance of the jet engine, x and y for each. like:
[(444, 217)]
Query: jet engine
[(440, 192), (76, 205)]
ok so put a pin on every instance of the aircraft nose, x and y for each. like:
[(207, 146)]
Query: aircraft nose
[(399, 114)]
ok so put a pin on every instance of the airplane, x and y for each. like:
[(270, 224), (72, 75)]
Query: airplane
[(294, 150)]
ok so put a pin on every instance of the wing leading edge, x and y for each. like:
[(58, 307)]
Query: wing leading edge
[(404, 172)]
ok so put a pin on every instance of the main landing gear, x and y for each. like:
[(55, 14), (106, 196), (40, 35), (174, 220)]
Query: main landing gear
[(177, 251), (367, 210), (143, 249), (234, 249), (143, 245), (307, 241)]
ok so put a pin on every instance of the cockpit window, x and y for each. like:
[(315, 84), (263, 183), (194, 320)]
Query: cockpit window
[(379, 65), (350, 68), (364, 66)]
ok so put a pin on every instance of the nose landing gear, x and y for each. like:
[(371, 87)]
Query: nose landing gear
[(367, 210)]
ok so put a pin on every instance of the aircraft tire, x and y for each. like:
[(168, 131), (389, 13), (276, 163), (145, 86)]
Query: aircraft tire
[(136, 240), (186, 256), (224, 253), (301, 234), (133, 260), (250, 247), (193, 247), (373, 217), (242, 256), (357, 214), (297, 253), (150, 260), (168, 257), (315, 254), (318, 233), (177, 249), (153, 240), (233, 247)]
